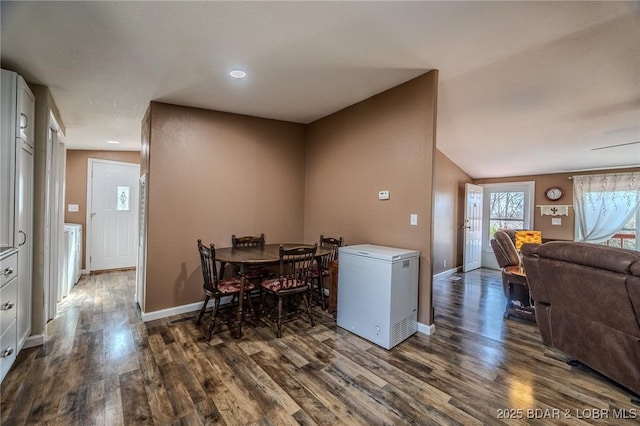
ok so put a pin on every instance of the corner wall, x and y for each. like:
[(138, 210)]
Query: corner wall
[(386, 142), (213, 174), (448, 207)]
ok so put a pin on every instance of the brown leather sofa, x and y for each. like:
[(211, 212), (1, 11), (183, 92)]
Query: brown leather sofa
[(587, 302)]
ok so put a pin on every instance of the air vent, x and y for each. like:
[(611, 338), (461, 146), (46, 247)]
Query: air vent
[(404, 328)]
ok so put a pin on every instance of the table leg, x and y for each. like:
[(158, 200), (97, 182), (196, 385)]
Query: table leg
[(241, 300)]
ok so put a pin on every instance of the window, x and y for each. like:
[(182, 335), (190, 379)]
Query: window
[(506, 210), (122, 201), (506, 205), (606, 208), (627, 237)]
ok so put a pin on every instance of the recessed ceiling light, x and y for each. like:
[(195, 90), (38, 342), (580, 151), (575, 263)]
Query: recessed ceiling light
[(113, 142), (238, 74)]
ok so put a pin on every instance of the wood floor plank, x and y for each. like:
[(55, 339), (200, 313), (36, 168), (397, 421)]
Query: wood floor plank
[(135, 406)]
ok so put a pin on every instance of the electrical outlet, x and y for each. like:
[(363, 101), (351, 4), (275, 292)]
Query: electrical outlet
[(444, 263), (413, 219)]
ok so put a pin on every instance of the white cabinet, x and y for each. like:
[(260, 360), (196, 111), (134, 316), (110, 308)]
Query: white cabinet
[(25, 104), (16, 214), (24, 237), (8, 309), (7, 158)]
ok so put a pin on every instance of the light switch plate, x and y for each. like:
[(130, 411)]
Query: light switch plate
[(556, 221), (413, 219), (383, 195), (73, 207)]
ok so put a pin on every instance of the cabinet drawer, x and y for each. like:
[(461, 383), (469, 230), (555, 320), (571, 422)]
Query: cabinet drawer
[(8, 350), (8, 269), (8, 302)]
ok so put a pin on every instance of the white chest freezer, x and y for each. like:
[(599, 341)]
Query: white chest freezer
[(378, 292)]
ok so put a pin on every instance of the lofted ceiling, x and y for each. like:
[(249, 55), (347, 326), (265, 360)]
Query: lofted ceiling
[(525, 87)]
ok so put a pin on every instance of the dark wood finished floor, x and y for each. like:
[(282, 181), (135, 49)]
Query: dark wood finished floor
[(102, 365)]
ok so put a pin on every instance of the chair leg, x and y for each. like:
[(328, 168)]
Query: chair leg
[(204, 307), (251, 311), (321, 290), (263, 296), (214, 314), (306, 298), (279, 319)]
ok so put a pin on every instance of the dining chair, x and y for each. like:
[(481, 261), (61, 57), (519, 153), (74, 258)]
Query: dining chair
[(293, 283), (321, 270), (258, 273), (215, 288)]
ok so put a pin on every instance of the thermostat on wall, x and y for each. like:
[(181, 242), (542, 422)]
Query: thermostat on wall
[(383, 195)]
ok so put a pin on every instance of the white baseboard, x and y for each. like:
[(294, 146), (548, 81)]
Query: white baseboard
[(177, 310), (428, 329), (32, 341), (163, 313), (448, 272)]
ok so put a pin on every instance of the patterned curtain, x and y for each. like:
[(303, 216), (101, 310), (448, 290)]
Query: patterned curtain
[(604, 204)]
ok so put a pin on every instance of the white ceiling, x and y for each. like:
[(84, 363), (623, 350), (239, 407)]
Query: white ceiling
[(525, 87)]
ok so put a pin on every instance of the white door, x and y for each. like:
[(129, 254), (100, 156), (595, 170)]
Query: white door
[(113, 214), (472, 252)]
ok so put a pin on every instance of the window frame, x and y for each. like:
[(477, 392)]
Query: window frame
[(529, 189)]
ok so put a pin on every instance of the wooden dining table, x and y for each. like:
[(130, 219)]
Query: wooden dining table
[(246, 257)]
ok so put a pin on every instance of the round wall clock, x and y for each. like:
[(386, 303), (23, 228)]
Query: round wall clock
[(554, 193)]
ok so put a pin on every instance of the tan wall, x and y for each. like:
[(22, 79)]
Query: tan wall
[(383, 143), (213, 174), (44, 106), (565, 231), (448, 207), (76, 184)]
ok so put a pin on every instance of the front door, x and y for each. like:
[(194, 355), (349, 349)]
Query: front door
[(113, 214), (472, 251)]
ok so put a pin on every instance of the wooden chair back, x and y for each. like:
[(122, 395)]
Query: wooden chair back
[(247, 241), (209, 269), (332, 244), (295, 265)]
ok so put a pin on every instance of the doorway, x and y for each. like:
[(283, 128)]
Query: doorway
[(112, 215), (506, 205)]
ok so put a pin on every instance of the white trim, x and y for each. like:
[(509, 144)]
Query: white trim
[(427, 329), (177, 310), (90, 163), (448, 272), (33, 341), (529, 188), (54, 137)]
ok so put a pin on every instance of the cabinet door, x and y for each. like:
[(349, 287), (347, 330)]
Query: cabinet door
[(24, 238), (25, 120), (7, 157)]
